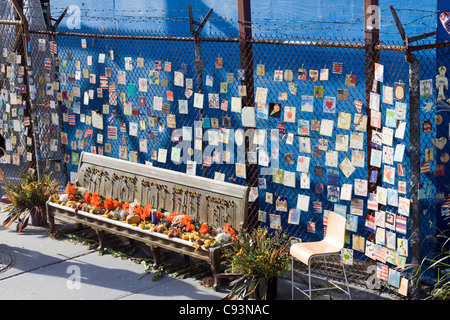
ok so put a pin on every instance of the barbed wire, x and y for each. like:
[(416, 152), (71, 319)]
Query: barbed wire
[(260, 24), (269, 25)]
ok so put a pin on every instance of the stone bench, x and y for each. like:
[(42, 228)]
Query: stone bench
[(205, 200)]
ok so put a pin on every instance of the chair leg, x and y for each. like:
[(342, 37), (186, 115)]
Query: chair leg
[(309, 280), (346, 280), (326, 270), (292, 276), (329, 282), (293, 287)]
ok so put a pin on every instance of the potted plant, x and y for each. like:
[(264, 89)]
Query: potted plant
[(257, 258), (28, 199)]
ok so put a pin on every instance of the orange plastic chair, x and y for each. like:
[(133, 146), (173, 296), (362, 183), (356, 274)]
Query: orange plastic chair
[(331, 244)]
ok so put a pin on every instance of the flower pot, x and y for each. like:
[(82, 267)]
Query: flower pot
[(271, 285), (38, 217)]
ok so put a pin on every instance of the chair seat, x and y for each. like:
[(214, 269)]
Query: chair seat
[(303, 251)]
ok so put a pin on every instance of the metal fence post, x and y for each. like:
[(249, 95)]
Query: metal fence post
[(199, 64), (414, 121), (246, 63), (372, 38), (372, 56)]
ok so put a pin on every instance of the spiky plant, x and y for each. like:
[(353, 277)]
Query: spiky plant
[(256, 257), (440, 265), (28, 199)]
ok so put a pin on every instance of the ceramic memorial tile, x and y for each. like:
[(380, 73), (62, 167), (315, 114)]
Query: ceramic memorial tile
[(326, 127), (329, 105), (347, 167), (426, 88), (344, 120), (338, 67), (260, 69), (360, 187), (388, 95), (324, 74), (302, 74), (307, 103), (289, 114), (374, 103), (379, 72), (342, 95), (278, 75), (303, 202), (313, 75), (318, 92), (357, 140)]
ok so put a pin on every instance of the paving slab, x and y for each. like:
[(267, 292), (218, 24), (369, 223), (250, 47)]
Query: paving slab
[(36, 266)]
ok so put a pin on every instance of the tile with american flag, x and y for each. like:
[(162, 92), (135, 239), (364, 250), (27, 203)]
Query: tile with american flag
[(445, 208), (104, 82), (400, 225), (425, 167), (112, 132), (47, 64), (72, 120), (317, 207), (382, 271), (112, 87), (311, 227), (380, 253), (53, 48)]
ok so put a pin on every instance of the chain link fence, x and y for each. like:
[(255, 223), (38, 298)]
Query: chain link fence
[(29, 121), (311, 125), (433, 191), (13, 102)]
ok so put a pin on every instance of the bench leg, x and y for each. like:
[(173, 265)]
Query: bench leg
[(215, 259), (217, 280), (51, 222), (101, 239)]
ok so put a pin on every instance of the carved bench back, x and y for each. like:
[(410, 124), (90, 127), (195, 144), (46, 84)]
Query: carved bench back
[(205, 200)]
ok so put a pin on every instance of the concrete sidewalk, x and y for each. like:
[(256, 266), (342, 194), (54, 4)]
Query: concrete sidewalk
[(35, 266)]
